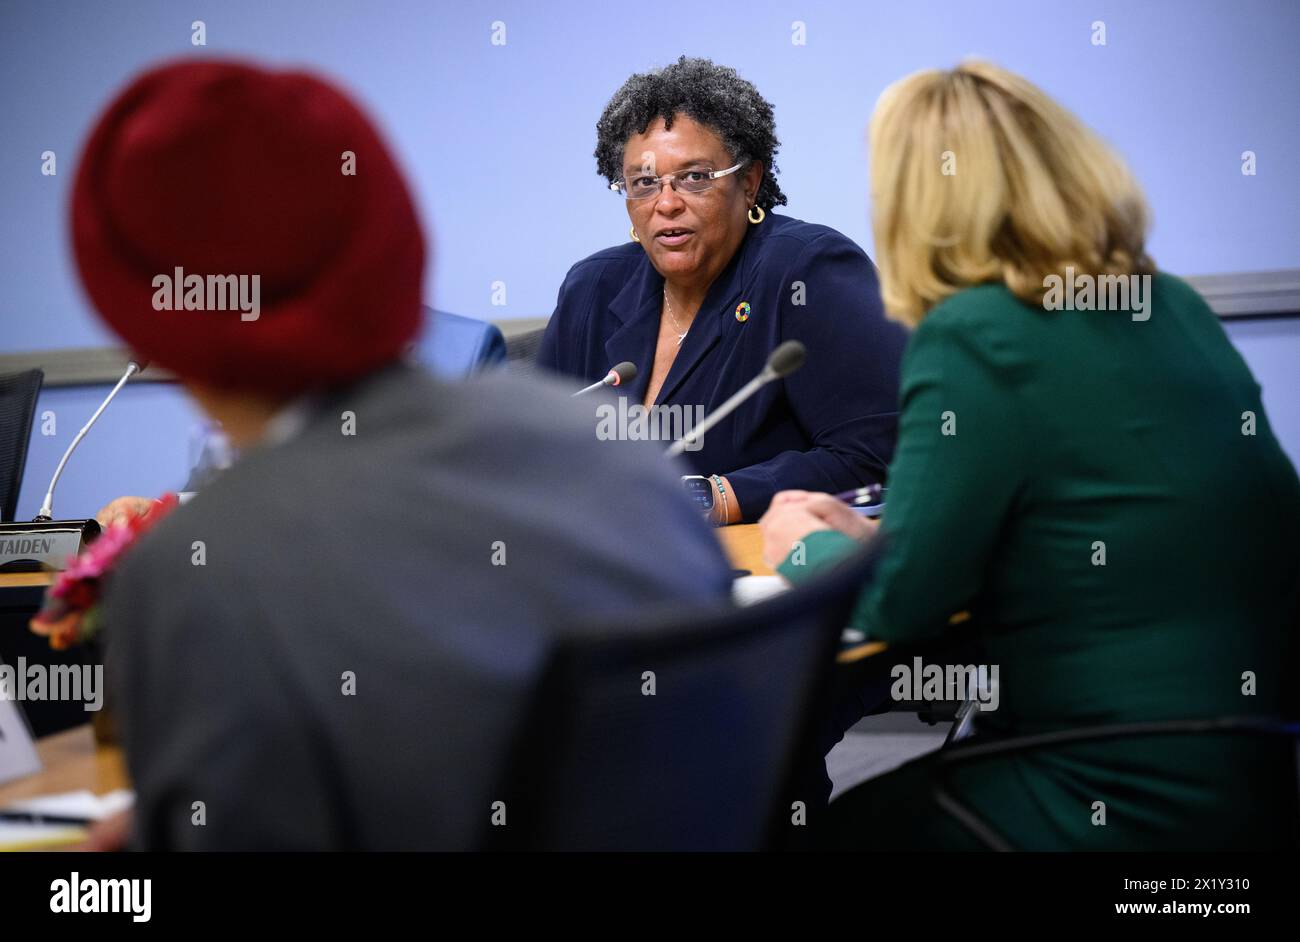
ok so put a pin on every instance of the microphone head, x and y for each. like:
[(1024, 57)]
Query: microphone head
[(140, 365), (787, 358), (625, 372)]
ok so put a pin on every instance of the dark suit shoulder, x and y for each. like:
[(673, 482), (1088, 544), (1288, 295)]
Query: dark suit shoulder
[(780, 233), (588, 284), (615, 257), (491, 440)]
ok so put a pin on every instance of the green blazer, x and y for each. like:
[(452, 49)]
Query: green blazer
[(1105, 497)]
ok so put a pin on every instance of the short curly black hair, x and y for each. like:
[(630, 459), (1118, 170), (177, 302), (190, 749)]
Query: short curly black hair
[(714, 95)]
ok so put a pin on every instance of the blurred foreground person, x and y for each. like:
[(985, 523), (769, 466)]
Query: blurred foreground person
[(332, 644), (1088, 492)]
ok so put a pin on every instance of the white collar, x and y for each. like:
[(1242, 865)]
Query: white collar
[(289, 421)]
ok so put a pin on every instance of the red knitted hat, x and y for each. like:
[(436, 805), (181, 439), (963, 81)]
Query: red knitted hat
[(204, 170)]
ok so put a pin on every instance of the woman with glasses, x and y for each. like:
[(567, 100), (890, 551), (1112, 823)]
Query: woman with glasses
[(711, 281), (1086, 493)]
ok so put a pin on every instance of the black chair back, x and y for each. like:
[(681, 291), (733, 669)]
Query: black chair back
[(18, 394), (521, 351), (682, 732)]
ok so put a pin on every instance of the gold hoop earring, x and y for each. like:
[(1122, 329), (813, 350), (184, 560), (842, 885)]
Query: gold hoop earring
[(635, 237), (762, 214)]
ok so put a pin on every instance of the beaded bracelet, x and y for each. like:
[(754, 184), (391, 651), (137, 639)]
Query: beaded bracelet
[(722, 492)]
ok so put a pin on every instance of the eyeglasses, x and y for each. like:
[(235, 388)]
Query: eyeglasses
[(692, 180)]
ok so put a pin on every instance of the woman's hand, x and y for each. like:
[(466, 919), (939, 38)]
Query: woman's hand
[(792, 515), (786, 522), (840, 516), (124, 509)]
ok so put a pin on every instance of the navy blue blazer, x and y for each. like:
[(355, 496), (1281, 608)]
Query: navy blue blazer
[(828, 427)]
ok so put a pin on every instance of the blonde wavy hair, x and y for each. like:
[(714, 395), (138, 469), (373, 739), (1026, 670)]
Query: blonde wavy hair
[(978, 176)]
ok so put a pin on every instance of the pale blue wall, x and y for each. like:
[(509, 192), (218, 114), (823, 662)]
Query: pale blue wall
[(141, 445), (1272, 348), (497, 141)]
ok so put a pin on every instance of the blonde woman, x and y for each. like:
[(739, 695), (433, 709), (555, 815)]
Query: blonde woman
[(1086, 486)]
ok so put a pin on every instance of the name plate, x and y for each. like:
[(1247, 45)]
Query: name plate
[(35, 547), (18, 756)]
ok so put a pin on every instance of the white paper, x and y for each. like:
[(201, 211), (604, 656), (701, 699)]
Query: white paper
[(17, 835), (82, 804), (750, 589)]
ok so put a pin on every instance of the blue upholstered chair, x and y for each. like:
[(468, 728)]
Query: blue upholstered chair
[(454, 347)]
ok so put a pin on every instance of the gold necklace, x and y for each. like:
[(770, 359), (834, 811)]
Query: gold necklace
[(681, 334)]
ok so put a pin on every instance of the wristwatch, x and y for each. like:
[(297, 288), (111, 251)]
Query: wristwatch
[(700, 490)]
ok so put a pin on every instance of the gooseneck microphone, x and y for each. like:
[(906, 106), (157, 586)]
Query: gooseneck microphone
[(625, 372), (782, 361), (47, 506), (46, 544)]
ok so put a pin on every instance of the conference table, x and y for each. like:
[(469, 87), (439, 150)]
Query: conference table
[(72, 760), (23, 589), (743, 543)]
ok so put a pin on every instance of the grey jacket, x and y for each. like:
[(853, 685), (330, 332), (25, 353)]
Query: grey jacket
[(332, 644)]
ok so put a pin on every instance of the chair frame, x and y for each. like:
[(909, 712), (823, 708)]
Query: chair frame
[(957, 755), (20, 455)]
